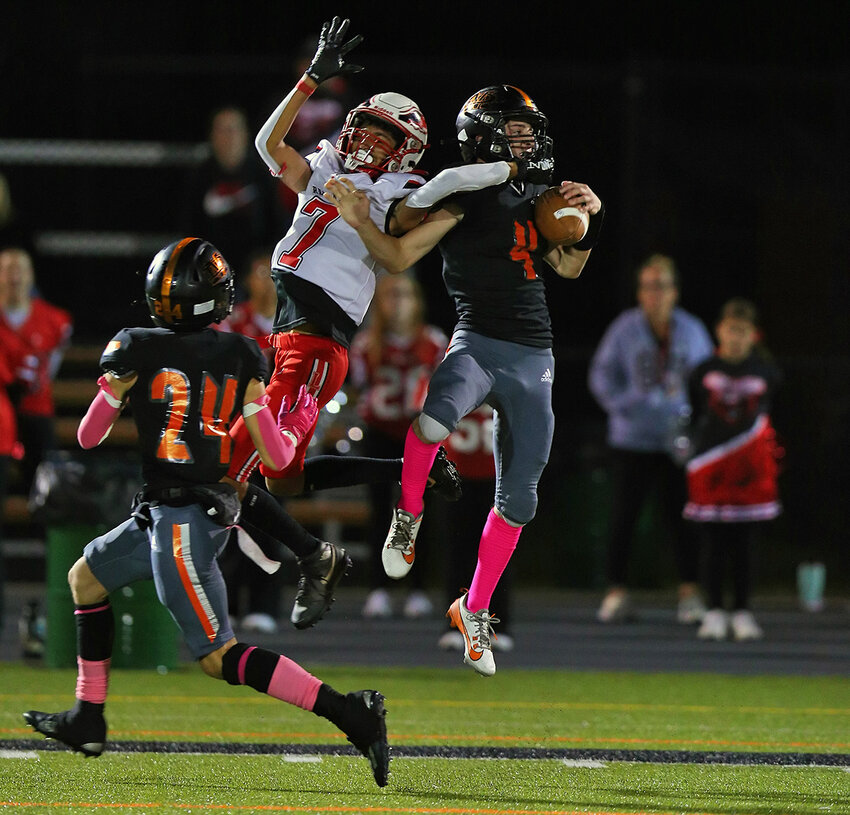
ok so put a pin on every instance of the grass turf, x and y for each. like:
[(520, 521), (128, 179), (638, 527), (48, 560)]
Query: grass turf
[(514, 709)]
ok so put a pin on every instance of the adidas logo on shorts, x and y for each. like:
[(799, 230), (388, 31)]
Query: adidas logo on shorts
[(547, 376)]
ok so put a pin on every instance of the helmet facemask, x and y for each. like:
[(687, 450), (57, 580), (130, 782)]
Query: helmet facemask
[(360, 145)]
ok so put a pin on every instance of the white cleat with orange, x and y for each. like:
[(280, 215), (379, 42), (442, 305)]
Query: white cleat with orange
[(399, 551), (477, 629)]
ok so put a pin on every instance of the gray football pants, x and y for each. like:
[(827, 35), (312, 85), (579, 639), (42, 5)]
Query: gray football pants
[(516, 380)]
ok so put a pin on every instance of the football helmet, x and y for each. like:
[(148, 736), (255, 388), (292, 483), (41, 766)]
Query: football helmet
[(356, 144), (189, 285), (481, 125)]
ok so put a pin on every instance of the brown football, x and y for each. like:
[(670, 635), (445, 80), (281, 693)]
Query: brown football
[(556, 221)]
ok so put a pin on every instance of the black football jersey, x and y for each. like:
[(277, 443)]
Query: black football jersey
[(493, 265), (191, 386)]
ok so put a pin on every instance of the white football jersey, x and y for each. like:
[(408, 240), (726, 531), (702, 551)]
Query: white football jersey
[(322, 248)]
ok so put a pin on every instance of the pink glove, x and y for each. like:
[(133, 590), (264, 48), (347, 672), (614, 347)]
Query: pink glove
[(299, 421)]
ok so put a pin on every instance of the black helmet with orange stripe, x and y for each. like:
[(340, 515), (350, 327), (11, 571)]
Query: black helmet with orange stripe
[(481, 125), (189, 285)]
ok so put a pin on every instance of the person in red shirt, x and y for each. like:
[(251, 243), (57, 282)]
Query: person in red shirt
[(45, 331), (392, 360), (12, 358)]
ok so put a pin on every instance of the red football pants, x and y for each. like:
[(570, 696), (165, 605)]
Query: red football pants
[(321, 364)]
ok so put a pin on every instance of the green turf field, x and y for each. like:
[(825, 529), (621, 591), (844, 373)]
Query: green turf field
[(614, 743)]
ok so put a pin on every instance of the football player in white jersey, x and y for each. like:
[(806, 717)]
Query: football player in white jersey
[(325, 281)]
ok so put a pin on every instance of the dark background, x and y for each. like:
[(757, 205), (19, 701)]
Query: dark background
[(714, 132)]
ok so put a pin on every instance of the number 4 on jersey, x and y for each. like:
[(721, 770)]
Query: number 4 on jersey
[(525, 242)]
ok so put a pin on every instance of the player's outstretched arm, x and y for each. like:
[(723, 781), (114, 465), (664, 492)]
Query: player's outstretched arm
[(465, 178), (328, 61), (393, 254)]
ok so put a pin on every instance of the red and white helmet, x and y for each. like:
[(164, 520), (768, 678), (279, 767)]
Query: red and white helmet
[(396, 110)]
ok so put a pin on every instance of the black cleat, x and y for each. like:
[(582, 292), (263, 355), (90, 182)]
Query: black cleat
[(83, 734), (320, 574), (365, 726), (444, 478)]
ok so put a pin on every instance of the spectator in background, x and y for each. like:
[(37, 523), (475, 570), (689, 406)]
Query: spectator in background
[(9, 444), (229, 198), (470, 446), (732, 487), (638, 375), (253, 595), (43, 331), (392, 360)]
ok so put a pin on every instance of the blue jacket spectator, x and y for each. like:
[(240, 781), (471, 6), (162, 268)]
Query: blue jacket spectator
[(639, 376), (640, 383)]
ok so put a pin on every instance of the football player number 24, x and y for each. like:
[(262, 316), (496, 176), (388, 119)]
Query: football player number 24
[(172, 386)]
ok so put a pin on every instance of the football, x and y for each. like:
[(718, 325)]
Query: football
[(558, 223)]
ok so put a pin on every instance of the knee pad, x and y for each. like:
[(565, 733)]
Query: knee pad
[(432, 430), (518, 510)]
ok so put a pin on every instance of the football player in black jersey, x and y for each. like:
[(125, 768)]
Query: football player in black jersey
[(186, 384), (501, 348)]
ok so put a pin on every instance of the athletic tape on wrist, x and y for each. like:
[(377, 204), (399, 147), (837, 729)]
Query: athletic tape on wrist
[(302, 86)]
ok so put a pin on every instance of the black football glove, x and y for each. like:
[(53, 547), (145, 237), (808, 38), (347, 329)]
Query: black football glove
[(535, 171), (329, 59)]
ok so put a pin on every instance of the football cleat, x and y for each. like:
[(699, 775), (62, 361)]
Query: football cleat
[(364, 723), (320, 575), (84, 734), (476, 629), (444, 478), (399, 551)]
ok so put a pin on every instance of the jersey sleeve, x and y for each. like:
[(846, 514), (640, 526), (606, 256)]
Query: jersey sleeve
[(118, 358), (324, 160), (257, 366)]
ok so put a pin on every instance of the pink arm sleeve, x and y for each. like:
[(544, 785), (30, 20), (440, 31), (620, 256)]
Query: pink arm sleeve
[(102, 413), (280, 447)]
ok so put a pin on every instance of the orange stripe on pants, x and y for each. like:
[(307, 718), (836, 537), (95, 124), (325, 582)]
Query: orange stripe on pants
[(188, 585)]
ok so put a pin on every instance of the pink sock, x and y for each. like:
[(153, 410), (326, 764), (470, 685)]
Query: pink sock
[(418, 459), (291, 683), (498, 541), (92, 680)]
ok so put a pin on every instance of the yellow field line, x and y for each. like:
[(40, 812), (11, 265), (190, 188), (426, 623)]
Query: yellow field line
[(621, 707), (486, 738), (284, 808)]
